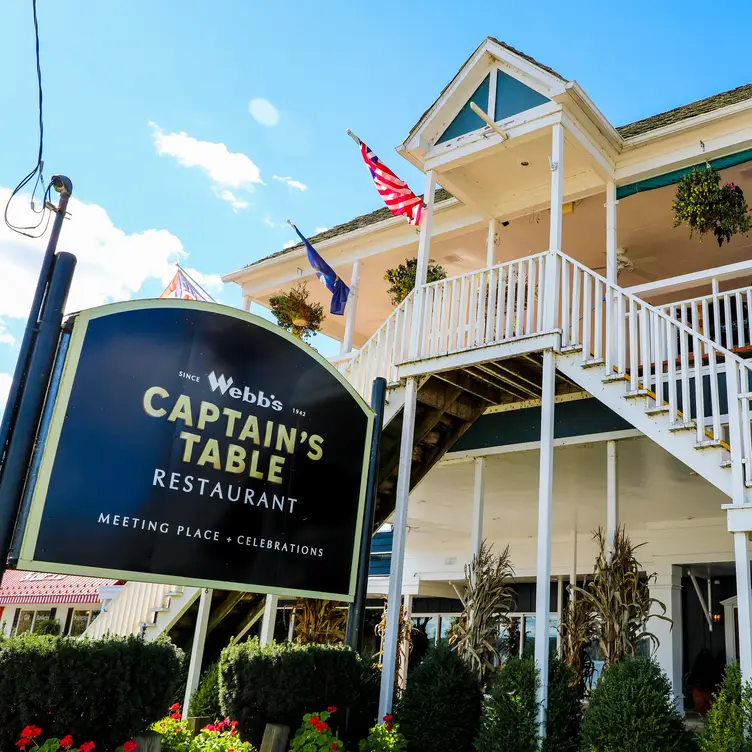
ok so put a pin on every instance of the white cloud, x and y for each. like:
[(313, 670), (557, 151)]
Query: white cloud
[(224, 167), (292, 183), (263, 111), (5, 381), (269, 223), (6, 338), (236, 203), (321, 229), (112, 265), (290, 244)]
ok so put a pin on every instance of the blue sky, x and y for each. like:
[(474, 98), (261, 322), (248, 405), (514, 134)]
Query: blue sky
[(124, 81)]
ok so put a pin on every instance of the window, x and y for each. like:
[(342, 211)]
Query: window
[(81, 620), (28, 620)]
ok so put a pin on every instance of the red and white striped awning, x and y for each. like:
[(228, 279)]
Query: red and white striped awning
[(39, 587)]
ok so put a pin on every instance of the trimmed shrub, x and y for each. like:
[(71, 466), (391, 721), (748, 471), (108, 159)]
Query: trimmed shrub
[(632, 710), (104, 690), (729, 716), (441, 705), (281, 683), (205, 700), (510, 717)]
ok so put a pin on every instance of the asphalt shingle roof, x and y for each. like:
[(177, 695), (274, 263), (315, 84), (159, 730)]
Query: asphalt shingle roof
[(702, 106)]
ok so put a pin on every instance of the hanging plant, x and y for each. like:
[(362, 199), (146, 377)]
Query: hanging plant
[(402, 278), (294, 313), (704, 205)]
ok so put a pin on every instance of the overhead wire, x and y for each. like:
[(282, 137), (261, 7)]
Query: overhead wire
[(36, 174)]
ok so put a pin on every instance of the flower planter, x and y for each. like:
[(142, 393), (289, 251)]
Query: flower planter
[(701, 700), (196, 723)]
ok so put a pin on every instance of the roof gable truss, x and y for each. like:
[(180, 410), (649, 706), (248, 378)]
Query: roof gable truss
[(523, 80)]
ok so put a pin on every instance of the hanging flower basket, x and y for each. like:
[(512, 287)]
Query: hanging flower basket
[(402, 278), (704, 205), (295, 313)]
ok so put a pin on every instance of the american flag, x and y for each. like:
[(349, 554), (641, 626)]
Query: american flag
[(396, 194), (181, 287)]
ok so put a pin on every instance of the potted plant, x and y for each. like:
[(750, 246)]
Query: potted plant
[(702, 680), (704, 205), (402, 278), (295, 313)]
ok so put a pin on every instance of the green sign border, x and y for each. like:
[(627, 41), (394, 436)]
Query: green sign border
[(78, 337)]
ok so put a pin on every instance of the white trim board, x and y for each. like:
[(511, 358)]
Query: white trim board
[(452, 458)]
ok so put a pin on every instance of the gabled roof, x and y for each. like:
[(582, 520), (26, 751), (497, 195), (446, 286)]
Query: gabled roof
[(700, 107), (36, 587), (638, 128)]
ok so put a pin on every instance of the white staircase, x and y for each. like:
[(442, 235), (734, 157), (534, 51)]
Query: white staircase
[(143, 608), (654, 366)]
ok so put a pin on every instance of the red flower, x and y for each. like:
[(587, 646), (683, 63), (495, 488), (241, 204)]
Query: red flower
[(332, 708), (388, 718), (31, 732), (175, 716), (175, 708), (321, 726), (67, 742), (233, 724), (87, 747), (335, 745), (210, 727), (130, 746), (314, 720), (23, 742)]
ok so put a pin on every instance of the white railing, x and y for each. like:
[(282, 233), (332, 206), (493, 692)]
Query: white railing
[(490, 306), (721, 317), (133, 607), (677, 368)]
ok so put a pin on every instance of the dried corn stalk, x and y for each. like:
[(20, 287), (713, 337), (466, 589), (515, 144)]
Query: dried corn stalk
[(404, 639), (619, 599), (486, 601), (320, 622)]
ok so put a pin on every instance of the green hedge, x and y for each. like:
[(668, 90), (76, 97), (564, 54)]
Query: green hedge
[(510, 722), (632, 710), (441, 705), (281, 683), (100, 690), (205, 700)]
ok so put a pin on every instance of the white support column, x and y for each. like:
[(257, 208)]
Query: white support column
[(545, 507), (391, 638), (426, 223), (351, 310), (573, 570), (491, 243), (246, 303), (744, 601), (668, 654), (557, 187), (269, 619), (612, 266), (612, 495), (476, 529), (559, 611), (197, 648)]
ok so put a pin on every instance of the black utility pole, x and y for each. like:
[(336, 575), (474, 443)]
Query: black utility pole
[(356, 617), (23, 411), (64, 187)]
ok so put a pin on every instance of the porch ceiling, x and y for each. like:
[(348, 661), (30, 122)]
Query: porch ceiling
[(654, 487), (514, 176)]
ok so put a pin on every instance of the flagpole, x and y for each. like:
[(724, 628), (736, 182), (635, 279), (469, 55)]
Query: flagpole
[(190, 279), (353, 137)]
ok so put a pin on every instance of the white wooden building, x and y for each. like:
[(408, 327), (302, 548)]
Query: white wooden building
[(584, 364)]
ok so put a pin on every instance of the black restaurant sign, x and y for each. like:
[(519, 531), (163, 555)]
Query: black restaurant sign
[(195, 444)]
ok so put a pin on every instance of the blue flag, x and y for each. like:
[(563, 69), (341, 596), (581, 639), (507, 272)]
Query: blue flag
[(327, 276)]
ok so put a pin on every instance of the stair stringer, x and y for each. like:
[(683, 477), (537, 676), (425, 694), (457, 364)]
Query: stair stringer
[(163, 619), (706, 462)]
